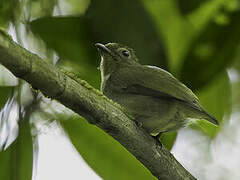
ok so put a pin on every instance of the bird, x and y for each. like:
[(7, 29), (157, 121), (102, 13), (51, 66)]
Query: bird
[(156, 100)]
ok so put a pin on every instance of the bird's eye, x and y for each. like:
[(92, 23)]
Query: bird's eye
[(125, 53)]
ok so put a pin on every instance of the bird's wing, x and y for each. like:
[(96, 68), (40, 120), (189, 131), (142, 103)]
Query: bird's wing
[(156, 82)]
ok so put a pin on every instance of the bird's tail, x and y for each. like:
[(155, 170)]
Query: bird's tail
[(209, 117)]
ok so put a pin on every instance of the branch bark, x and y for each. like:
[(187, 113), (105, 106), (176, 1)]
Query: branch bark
[(92, 105)]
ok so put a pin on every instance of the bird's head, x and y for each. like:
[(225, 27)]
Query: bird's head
[(113, 55)]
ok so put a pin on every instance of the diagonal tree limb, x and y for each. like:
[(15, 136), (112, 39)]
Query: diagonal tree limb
[(92, 105)]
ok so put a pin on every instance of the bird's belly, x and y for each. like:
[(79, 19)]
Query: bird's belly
[(155, 114)]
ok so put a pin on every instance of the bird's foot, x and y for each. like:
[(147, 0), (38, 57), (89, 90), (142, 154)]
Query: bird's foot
[(157, 139), (139, 124)]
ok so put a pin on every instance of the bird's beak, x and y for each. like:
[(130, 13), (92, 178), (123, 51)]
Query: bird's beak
[(102, 48)]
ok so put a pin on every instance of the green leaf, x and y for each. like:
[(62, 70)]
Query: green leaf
[(69, 36), (73, 43), (168, 139), (104, 154), (16, 162), (187, 6), (211, 52), (5, 92)]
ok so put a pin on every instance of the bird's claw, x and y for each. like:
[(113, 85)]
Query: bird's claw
[(139, 124)]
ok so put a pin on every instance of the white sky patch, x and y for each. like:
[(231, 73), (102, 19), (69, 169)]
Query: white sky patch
[(12, 32), (70, 7), (8, 124), (211, 159), (233, 75), (59, 160), (7, 78)]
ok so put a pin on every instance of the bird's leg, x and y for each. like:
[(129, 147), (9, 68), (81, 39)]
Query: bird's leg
[(139, 124), (157, 138)]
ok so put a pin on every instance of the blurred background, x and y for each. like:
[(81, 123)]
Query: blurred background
[(196, 40)]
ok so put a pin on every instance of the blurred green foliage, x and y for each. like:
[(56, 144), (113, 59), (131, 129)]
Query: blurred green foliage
[(8, 10), (5, 92), (16, 163), (197, 40), (187, 6), (212, 51)]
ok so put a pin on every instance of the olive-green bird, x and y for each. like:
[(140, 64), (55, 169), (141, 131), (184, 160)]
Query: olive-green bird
[(156, 99)]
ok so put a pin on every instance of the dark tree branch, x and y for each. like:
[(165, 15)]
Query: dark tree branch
[(91, 104)]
